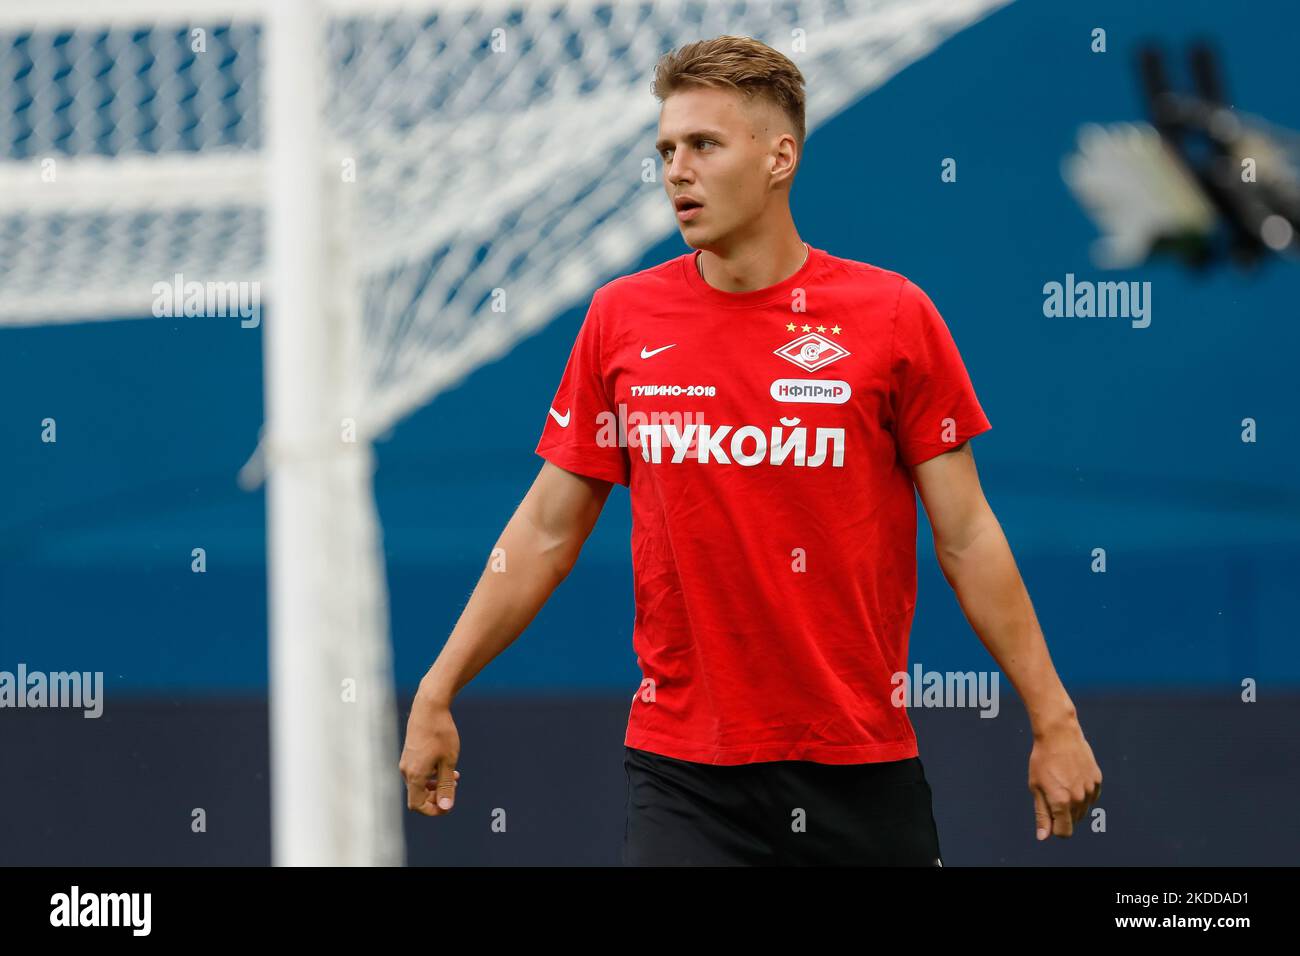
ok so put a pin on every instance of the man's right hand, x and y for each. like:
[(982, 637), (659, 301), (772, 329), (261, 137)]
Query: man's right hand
[(428, 763), (542, 539)]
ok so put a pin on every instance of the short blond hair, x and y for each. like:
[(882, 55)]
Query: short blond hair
[(744, 64)]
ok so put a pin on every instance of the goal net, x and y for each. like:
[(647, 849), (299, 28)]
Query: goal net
[(412, 187)]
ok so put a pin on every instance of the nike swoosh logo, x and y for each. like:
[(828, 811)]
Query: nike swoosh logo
[(646, 354), (562, 419)]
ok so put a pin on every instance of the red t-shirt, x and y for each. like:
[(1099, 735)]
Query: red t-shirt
[(766, 438)]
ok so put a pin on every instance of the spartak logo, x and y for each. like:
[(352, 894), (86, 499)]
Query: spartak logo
[(811, 352)]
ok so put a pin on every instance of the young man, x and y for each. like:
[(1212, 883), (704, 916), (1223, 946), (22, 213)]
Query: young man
[(771, 408)]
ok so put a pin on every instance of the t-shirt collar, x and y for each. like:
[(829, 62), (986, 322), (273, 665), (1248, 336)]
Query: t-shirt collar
[(755, 297)]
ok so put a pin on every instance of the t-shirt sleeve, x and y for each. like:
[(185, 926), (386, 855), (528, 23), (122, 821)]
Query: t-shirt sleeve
[(933, 401), (581, 430)]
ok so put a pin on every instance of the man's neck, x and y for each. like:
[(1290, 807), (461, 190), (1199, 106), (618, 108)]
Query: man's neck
[(748, 277)]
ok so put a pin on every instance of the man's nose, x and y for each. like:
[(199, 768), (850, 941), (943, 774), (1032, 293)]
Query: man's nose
[(677, 170)]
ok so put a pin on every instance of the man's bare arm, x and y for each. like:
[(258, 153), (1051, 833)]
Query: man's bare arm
[(977, 563), (539, 547)]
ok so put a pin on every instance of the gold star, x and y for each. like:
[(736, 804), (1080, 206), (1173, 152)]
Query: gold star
[(835, 330), (807, 328), (821, 328), (789, 326)]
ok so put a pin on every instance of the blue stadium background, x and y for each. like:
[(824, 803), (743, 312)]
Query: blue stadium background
[(1104, 436)]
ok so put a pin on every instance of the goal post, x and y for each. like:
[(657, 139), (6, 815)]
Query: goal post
[(333, 739)]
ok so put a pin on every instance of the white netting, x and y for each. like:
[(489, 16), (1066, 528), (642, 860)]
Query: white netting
[(477, 166)]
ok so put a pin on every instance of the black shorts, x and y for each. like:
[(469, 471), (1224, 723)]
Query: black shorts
[(777, 813)]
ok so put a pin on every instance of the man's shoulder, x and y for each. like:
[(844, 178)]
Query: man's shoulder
[(867, 273), (636, 285)]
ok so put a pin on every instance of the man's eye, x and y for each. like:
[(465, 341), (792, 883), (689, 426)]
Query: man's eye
[(666, 155)]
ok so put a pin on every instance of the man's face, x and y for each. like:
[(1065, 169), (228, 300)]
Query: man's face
[(719, 150)]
